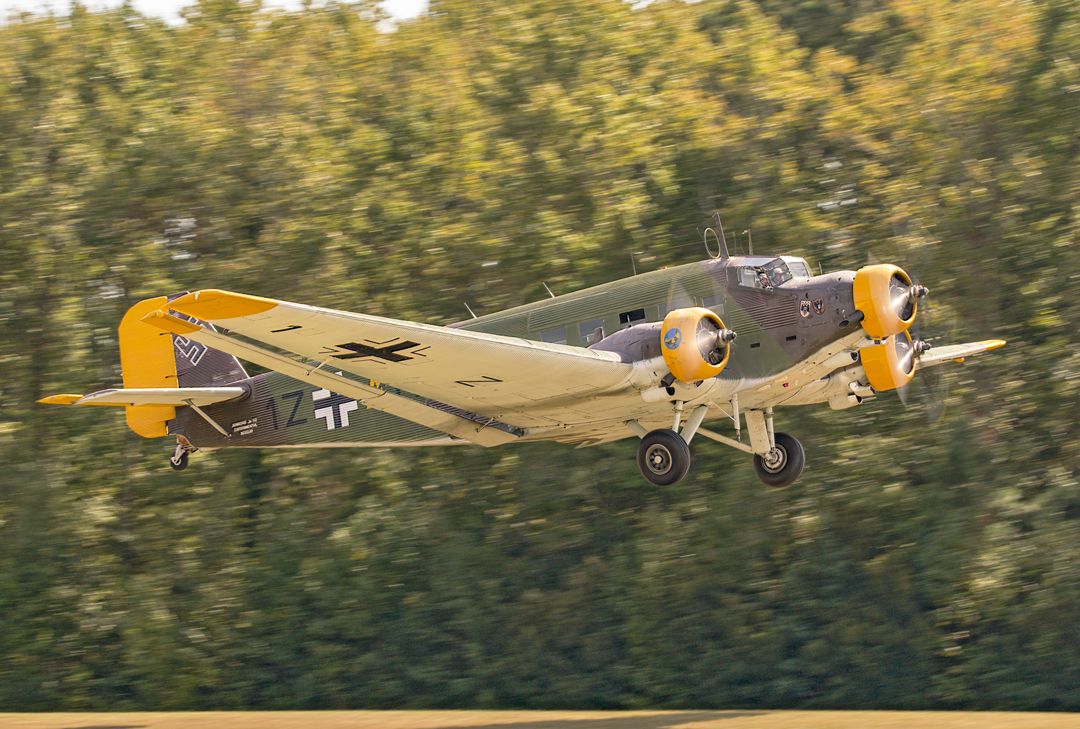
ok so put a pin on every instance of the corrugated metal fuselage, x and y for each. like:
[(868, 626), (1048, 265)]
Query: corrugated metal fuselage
[(777, 324)]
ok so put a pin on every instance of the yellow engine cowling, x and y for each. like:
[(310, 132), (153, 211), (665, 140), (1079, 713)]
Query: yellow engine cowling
[(883, 293), (889, 364), (695, 344)]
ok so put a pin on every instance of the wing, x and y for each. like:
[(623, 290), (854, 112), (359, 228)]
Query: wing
[(957, 352), (487, 374), (177, 396), (812, 380)]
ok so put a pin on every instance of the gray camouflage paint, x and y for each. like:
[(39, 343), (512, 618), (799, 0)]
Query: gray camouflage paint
[(776, 327)]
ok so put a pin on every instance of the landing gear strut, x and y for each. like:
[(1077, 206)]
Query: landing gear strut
[(179, 459), (664, 455)]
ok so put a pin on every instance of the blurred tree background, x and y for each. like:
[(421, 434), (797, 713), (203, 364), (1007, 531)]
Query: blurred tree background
[(318, 157)]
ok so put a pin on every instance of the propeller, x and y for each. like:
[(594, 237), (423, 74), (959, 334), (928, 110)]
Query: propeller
[(903, 295), (712, 341), (928, 390)]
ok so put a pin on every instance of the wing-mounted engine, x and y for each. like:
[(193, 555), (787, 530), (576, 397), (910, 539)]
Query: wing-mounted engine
[(890, 364), (672, 357), (696, 345)]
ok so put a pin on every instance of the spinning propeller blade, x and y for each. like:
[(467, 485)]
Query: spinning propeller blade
[(928, 390)]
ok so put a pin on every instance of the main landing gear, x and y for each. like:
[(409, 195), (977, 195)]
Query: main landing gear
[(179, 459), (783, 463), (664, 458)]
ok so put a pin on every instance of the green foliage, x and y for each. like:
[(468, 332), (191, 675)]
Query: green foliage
[(328, 161)]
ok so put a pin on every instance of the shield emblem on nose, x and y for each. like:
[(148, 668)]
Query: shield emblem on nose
[(804, 308)]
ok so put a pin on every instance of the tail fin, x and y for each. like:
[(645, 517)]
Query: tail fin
[(150, 357)]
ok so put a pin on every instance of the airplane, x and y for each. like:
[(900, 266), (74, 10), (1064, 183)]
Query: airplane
[(659, 356)]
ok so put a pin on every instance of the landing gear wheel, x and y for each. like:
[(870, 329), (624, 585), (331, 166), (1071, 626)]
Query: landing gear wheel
[(783, 464), (179, 463), (178, 460), (663, 457)]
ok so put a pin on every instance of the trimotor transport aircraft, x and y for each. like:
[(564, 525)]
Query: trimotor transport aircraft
[(654, 356)]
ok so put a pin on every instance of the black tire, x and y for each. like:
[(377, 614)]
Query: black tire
[(792, 460), (663, 457), (179, 465)]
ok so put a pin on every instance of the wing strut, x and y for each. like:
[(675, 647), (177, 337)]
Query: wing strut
[(202, 414)]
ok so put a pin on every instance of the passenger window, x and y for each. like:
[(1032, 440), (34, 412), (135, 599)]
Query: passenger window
[(554, 336), (629, 318), (591, 331), (713, 302)]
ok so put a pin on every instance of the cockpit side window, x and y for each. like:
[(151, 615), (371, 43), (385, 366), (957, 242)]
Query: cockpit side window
[(748, 276)]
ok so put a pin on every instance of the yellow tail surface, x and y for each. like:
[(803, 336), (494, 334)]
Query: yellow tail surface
[(147, 360)]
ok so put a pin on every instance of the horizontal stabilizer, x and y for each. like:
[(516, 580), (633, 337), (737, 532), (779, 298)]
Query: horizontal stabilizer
[(176, 396), (957, 352)]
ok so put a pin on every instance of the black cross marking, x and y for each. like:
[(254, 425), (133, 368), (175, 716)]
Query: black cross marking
[(388, 353)]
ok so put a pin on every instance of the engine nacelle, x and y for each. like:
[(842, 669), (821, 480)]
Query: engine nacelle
[(891, 363), (887, 298), (695, 344)]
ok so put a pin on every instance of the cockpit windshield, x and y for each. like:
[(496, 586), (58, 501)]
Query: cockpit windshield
[(799, 269), (767, 274)]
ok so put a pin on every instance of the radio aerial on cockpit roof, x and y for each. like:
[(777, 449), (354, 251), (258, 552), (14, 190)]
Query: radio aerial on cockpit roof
[(721, 241)]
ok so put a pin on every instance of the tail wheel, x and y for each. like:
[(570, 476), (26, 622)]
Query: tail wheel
[(783, 464), (179, 459), (663, 457)]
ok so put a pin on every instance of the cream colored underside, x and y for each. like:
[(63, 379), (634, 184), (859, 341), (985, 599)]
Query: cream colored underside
[(553, 392)]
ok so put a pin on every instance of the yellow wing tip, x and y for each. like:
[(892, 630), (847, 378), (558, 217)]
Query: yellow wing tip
[(170, 323), (212, 304), (64, 399), (993, 344)]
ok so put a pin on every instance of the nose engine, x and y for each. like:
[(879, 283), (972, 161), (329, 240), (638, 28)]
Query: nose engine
[(889, 302), (695, 344), (887, 298)]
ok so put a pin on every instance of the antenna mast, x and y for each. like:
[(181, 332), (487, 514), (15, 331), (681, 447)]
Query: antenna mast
[(723, 240)]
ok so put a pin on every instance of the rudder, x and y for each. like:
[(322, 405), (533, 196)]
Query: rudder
[(150, 357)]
